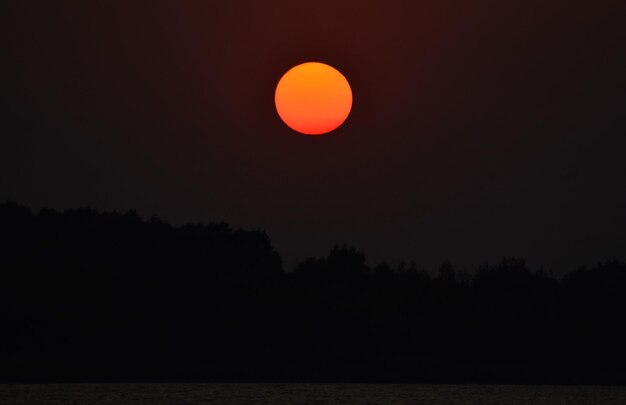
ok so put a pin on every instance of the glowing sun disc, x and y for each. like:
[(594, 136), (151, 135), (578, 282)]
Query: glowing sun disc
[(313, 98)]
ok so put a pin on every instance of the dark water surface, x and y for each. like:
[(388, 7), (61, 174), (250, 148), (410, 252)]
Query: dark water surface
[(188, 394)]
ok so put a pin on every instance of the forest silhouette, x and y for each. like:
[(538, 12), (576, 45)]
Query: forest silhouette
[(105, 296)]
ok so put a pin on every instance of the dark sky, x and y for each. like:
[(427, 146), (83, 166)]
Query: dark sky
[(479, 128)]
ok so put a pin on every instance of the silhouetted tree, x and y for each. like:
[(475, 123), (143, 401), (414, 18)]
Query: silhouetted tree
[(89, 295)]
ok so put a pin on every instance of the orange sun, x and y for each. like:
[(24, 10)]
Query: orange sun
[(313, 98)]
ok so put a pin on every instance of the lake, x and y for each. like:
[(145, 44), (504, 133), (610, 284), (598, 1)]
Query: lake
[(277, 394)]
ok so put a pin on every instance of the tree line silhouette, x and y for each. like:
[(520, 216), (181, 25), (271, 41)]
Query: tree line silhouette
[(105, 296)]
